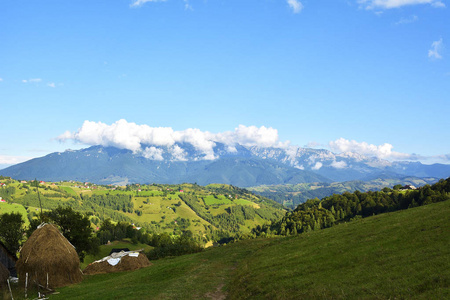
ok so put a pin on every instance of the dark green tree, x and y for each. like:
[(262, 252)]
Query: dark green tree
[(397, 187), (76, 228), (12, 231)]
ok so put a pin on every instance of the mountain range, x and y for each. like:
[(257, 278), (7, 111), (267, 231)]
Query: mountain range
[(240, 165)]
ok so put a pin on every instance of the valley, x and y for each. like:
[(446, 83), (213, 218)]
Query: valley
[(291, 195), (205, 211)]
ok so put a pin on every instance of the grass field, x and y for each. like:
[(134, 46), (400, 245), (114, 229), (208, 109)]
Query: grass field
[(154, 206), (221, 199), (400, 255), (69, 190), (246, 202), (7, 208)]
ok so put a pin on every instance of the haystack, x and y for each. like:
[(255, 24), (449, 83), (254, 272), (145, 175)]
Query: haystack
[(4, 275), (118, 262), (49, 259)]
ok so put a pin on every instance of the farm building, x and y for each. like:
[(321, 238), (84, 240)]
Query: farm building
[(49, 259), (8, 260), (409, 187), (4, 275), (117, 250)]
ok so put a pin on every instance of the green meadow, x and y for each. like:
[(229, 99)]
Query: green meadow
[(398, 255), (156, 208)]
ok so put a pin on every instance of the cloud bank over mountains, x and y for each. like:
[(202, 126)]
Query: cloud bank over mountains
[(383, 151), (11, 160), (144, 139), (151, 142)]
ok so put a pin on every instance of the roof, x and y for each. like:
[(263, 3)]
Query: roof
[(12, 255), (117, 250)]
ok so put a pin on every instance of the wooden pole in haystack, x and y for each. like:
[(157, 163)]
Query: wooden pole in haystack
[(9, 286), (39, 197), (26, 285)]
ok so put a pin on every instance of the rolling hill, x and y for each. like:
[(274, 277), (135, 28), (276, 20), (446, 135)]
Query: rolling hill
[(158, 208), (291, 195), (401, 255)]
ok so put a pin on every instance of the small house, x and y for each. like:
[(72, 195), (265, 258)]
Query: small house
[(8, 260), (409, 187)]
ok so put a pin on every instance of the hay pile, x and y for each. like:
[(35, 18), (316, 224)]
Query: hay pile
[(49, 259), (4, 274), (127, 263)]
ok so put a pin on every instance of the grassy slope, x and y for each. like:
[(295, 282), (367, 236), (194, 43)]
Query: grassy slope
[(397, 255), (162, 208), (7, 208)]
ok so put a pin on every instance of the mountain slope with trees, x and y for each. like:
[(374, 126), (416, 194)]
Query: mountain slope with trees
[(317, 214), (245, 167), (208, 212), (291, 195)]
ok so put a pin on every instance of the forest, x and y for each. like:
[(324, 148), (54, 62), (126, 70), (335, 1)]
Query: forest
[(170, 217), (317, 214), (92, 219)]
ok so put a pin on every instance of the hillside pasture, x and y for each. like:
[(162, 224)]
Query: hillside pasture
[(399, 255), (246, 202), (7, 208), (216, 200), (69, 190)]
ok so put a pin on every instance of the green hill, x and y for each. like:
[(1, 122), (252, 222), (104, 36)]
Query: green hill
[(204, 210), (291, 195), (397, 255)]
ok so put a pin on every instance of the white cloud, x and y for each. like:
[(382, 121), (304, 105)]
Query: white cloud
[(339, 164), (51, 84), (250, 136), (32, 80), (178, 153), (383, 151), (438, 4), (388, 4), (317, 166), (153, 142), (436, 49), (137, 3), (153, 153), (12, 160), (187, 5), (444, 157), (138, 138), (409, 20), (295, 5)]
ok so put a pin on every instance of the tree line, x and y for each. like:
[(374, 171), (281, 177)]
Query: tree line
[(316, 214)]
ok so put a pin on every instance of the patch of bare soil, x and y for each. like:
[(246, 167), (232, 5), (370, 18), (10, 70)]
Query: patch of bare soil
[(218, 294)]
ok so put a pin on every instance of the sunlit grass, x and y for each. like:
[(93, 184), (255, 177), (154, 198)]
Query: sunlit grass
[(399, 255)]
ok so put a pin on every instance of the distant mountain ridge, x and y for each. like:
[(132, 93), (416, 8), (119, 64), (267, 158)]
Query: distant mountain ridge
[(106, 165), (239, 165)]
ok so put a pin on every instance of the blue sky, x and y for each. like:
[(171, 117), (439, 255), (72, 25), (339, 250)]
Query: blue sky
[(365, 73)]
